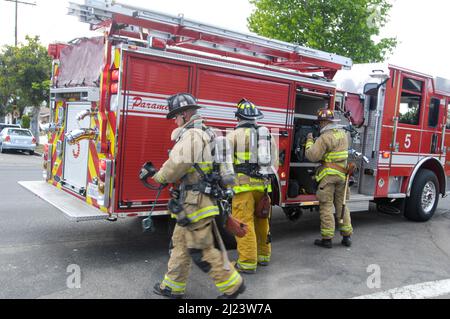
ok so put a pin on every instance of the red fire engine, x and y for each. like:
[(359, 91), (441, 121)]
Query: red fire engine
[(108, 105)]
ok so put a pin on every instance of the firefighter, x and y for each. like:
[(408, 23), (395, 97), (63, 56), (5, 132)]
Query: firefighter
[(255, 248), (193, 237), (331, 149)]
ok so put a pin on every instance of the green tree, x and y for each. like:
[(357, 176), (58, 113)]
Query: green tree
[(347, 27), (25, 121), (25, 78)]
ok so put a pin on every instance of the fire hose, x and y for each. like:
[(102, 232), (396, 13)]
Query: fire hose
[(148, 170)]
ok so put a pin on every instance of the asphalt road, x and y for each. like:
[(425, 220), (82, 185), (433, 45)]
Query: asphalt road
[(117, 260)]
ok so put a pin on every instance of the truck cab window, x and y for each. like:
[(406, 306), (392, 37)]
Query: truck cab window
[(448, 114), (411, 100), (433, 115)]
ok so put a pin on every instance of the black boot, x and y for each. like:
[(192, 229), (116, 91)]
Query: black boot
[(166, 292), (235, 295), (325, 243), (347, 241)]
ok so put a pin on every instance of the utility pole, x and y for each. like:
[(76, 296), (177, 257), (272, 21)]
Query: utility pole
[(15, 42), (17, 7)]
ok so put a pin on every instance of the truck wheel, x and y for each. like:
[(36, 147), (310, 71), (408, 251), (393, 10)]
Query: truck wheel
[(293, 213), (422, 203)]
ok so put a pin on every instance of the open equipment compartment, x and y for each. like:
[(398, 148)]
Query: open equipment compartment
[(308, 103)]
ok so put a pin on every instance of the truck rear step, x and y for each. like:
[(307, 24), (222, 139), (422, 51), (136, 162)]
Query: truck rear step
[(359, 198), (72, 207)]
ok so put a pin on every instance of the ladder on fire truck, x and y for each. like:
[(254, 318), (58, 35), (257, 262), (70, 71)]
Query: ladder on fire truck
[(176, 31)]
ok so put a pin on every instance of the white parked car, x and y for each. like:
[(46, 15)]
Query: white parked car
[(17, 139)]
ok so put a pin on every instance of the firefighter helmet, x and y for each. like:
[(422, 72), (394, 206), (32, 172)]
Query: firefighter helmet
[(181, 102), (326, 115), (248, 111)]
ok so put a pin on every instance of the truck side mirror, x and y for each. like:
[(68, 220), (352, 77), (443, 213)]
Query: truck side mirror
[(371, 89), (371, 92)]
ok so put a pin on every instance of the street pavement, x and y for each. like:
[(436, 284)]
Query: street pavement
[(39, 249)]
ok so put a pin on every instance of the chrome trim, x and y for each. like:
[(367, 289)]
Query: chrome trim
[(118, 114), (106, 198), (396, 196), (49, 162), (93, 93), (140, 206)]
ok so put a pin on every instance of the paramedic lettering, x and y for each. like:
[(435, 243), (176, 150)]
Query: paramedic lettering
[(139, 102)]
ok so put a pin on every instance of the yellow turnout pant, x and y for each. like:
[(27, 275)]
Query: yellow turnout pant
[(196, 243), (255, 246), (331, 197)]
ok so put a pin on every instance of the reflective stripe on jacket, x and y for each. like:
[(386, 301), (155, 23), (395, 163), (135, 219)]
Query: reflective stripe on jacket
[(239, 140), (192, 146), (330, 147)]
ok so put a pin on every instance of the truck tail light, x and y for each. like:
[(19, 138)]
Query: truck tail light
[(8, 138), (386, 155), (45, 152), (114, 81), (115, 75), (102, 170), (114, 88), (47, 172)]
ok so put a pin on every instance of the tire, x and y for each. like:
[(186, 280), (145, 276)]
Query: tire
[(421, 205), (293, 213), (31, 152)]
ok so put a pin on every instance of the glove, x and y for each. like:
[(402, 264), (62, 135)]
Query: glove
[(236, 227), (148, 170)]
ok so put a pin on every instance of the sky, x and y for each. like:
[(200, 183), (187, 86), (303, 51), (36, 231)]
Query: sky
[(420, 26)]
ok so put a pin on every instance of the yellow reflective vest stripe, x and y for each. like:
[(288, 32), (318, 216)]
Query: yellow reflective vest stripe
[(333, 157), (242, 158), (203, 213), (249, 188), (329, 171), (256, 184), (206, 167)]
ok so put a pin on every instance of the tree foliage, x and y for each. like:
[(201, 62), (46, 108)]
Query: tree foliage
[(346, 27), (24, 75), (25, 123)]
